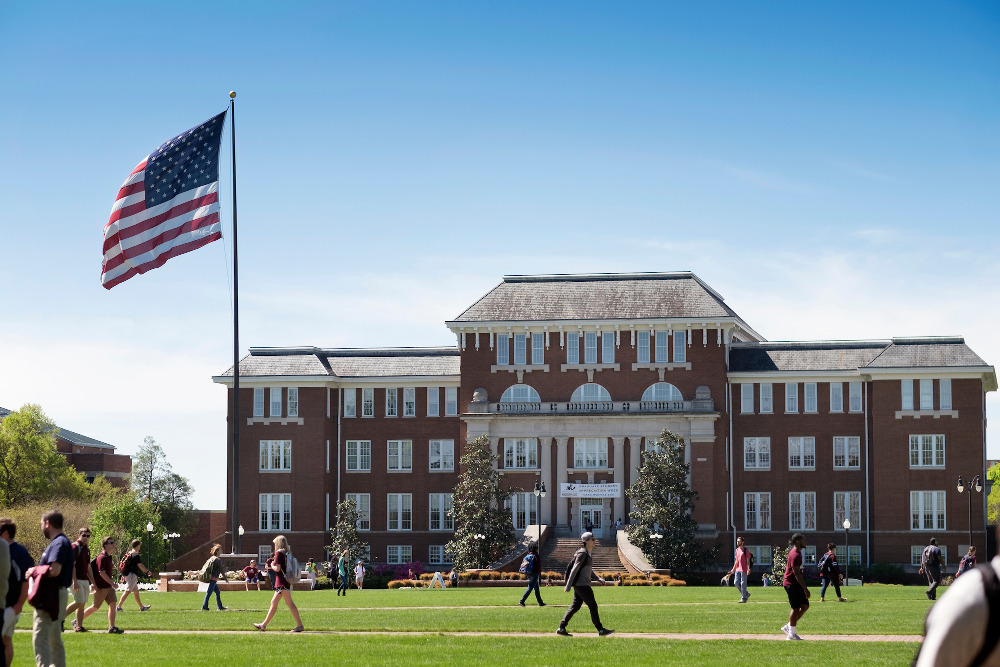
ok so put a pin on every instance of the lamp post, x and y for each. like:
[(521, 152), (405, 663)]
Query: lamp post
[(847, 553), (480, 538), (239, 543), (149, 543), (539, 494), (172, 537), (656, 549), (974, 485)]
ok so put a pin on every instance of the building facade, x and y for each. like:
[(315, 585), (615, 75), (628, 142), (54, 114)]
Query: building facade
[(571, 378)]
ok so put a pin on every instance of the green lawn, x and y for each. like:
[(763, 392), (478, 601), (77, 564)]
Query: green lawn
[(872, 610)]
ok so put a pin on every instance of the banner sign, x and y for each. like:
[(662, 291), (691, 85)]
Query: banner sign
[(571, 490)]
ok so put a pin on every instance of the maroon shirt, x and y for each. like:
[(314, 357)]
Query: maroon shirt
[(280, 560), (82, 552), (794, 560), (104, 564), (250, 572)]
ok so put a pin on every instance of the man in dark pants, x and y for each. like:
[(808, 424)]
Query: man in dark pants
[(578, 576), (534, 574), (930, 565)]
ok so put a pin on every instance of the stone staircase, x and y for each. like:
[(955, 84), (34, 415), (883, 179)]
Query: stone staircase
[(558, 552)]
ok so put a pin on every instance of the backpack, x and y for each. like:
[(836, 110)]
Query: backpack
[(94, 570), (750, 559), (124, 563), (528, 564), (205, 573), (824, 564), (964, 565), (293, 569)]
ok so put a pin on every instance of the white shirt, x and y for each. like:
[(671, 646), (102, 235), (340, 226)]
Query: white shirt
[(956, 624)]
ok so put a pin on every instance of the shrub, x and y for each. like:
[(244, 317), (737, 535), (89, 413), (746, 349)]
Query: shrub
[(883, 573), (324, 583)]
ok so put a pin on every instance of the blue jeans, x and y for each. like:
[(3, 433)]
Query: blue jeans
[(741, 584), (213, 585), (826, 583), (532, 584), (343, 584)]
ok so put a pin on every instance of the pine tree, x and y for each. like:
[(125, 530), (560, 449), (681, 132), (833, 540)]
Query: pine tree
[(345, 534), (663, 503), (478, 510)]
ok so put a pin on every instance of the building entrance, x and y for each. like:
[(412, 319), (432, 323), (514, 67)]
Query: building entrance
[(591, 515)]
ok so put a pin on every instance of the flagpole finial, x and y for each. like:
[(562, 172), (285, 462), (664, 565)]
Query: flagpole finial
[(232, 94)]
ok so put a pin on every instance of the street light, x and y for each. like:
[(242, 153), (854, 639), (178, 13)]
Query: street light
[(847, 553), (480, 538), (539, 494), (656, 549), (172, 537), (239, 543), (961, 488), (149, 543)]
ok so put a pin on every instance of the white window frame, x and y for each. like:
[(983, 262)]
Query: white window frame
[(363, 503), (928, 510), (437, 555), (926, 394), (409, 401), (293, 401), (944, 391), (746, 398), (756, 453), (917, 554), (399, 554), (520, 349), (927, 450), (662, 347), (836, 397), (766, 398), (275, 456), (757, 510), (441, 455), (608, 347), (402, 505), (391, 402), (590, 347), (791, 398), (362, 455), (264, 551), (439, 506), (537, 349), (906, 390), (433, 401), (762, 553), (851, 557), (846, 505), (368, 402), (350, 402), (450, 401), (522, 509), (848, 449), (854, 397), (258, 401), (811, 405), (520, 453), (680, 347), (503, 350), (275, 396), (572, 348), (802, 510), (802, 452), (275, 511), (642, 347), (590, 453), (399, 455)]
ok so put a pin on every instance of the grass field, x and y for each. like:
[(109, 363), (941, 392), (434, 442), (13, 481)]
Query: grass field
[(182, 634)]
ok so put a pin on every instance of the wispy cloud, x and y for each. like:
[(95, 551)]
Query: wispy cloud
[(864, 172), (763, 179)]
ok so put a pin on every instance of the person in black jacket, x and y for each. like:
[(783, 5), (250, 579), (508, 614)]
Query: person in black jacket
[(534, 575), (578, 575)]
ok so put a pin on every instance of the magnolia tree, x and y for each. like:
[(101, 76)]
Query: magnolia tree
[(345, 534), (663, 503), (484, 530)]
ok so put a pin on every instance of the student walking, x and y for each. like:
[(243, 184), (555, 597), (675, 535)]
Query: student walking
[(133, 564), (214, 567), (282, 587), (578, 576), (829, 573), (342, 573), (930, 566), (742, 569), (82, 580), (311, 574), (359, 575), (967, 563), (17, 585), (104, 585), (795, 586), (55, 569), (533, 568)]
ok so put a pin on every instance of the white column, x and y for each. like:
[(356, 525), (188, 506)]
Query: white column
[(633, 454), (619, 443), (562, 475), (545, 452)]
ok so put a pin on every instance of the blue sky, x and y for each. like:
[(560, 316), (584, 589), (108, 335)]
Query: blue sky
[(832, 171)]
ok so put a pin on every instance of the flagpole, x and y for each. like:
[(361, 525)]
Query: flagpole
[(236, 345)]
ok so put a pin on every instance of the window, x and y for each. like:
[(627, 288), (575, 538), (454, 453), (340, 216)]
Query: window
[(926, 451), (590, 392), (350, 402), (746, 397), (927, 394), (433, 397), (810, 391), (846, 505), (927, 510), (398, 554), (590, 347), (573, 348), (642, 348), (836, 397), (944, 386), (590, 453), (608, 348), (802, 453), (907, 389), (359, 455), (391, 402), (520, 453), (450, 401), (522, 510), (766, 398), (275, 511), (438, 556), (680, 347), (757, 453), (440, 519), (276, 455), (520, 349), (367, 402), (854, 390), (662, 347), (363, 502), (258, 402), (917, 553), (761, 554), (757, 508), (409, 401), (275, 401), (442, 455), (662, 391), (400, 511), (847, 452), (264, 551), (802, 511), (400, 455), (293, 401), (520, 393), (537, 349), (791, 397), (503, 350), (852, 556)]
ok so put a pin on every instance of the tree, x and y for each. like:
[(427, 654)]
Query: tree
[(663, 501), (478, 510), (345, 534), (993, 502), (123, 516), (153, 479), (30, 466)]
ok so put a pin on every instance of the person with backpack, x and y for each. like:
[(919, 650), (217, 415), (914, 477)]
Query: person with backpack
[(83, 580), (283, 572), (741, 567), (359, 575), (213, 568), (967, 563), (930, 566), (342, 573), (829, 573), (104, 584), (130, 565), (578, 575), (532, 567)]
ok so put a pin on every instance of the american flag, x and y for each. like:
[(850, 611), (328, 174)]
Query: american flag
[(168, 205)]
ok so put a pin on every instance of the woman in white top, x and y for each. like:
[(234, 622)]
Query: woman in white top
[(359, 575)]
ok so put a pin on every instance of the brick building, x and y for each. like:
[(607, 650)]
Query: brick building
[(571, 377)]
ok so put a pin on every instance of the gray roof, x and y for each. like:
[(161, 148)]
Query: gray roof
[(602, 296), (71, 437), (853, 355), (347, 363)]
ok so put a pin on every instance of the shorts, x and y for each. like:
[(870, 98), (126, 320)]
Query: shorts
[(82, 593), (253, 580), (131, 582), (796, 596), (9, 621)]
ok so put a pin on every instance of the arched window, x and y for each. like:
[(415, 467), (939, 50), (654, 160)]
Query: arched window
[(520, 393), (662, 391), (590, 392)]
